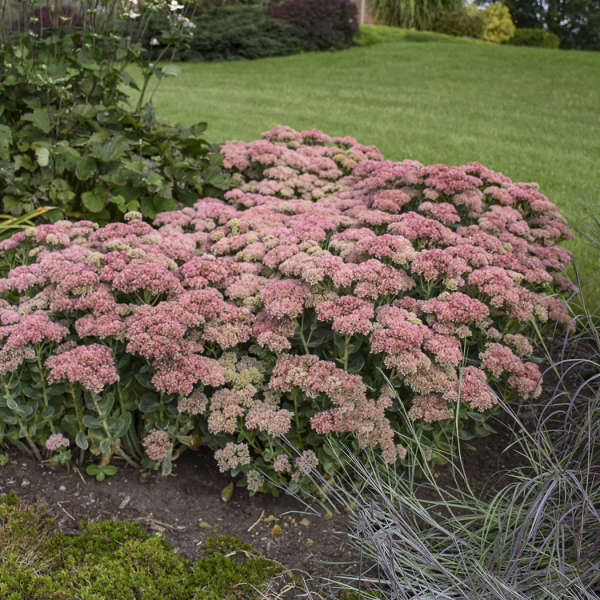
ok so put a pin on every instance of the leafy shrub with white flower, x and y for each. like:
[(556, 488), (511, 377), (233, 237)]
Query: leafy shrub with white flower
[(284, 313), (70, 139)]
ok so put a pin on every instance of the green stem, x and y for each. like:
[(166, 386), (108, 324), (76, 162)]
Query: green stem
[(127, 438), (79, 418), (296, 416), (147, 78), (127, 458), (102, 417), (300, 325), (43, 380), (30, 443), (162, 410), (346, 351)]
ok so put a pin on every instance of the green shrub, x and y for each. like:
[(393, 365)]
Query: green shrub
[(240, 31), (540, 38), (115, 560), (498, 23), (321, 24), (67, 139), (411, 14), (464, 22)]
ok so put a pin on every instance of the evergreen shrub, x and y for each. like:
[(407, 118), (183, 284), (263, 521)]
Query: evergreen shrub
[(464, 22), (231, 32), (541, 38), (498, 23)]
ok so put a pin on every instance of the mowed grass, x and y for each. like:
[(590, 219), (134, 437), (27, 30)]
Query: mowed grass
[(533, 114)]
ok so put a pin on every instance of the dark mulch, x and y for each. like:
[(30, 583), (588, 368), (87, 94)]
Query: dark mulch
[(177, 505), (185, 508)]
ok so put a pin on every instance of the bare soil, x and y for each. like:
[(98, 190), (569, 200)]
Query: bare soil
[(186, 506)]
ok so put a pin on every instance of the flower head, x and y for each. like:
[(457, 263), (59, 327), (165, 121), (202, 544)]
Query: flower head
[(157, 444)]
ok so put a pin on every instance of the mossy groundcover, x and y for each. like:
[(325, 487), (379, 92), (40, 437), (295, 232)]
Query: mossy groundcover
[(116, 560)]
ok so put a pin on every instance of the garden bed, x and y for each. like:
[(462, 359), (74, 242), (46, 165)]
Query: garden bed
[(186, 507)]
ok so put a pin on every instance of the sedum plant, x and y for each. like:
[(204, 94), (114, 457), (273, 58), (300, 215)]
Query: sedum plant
[(280, 313)]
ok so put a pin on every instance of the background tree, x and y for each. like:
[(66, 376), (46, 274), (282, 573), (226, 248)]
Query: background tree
[(575, 22)]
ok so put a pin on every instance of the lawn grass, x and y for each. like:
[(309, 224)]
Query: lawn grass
[(530, 113)]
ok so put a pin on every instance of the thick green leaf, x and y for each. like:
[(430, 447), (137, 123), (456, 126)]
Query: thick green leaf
[(149, 402), (94, 200), (48, 412), (42, 156), (119, 427), (110, 151), (105, 445), (91, 422), (5, 140), (40, 117), (227, 492), (81, 440), (7, 417), (86, 168)]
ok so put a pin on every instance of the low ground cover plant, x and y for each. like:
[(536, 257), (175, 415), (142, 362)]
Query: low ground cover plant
[(281, 314), (115, 560)]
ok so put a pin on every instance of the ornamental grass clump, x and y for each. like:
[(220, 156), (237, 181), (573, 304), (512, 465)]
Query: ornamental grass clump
[(279, 314), (532, 532)]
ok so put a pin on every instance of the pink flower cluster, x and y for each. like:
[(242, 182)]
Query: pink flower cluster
[(157, 444), (91, 366), (324, 265), (57, 441)]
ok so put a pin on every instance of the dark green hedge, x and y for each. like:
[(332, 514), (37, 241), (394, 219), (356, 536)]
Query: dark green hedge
[(460, 23), (535, 37), (233, 32)]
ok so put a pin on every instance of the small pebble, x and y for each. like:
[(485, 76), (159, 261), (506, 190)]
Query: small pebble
[(62, 488)]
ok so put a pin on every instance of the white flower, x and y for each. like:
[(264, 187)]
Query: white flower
[(174, 5), (154, 42)]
